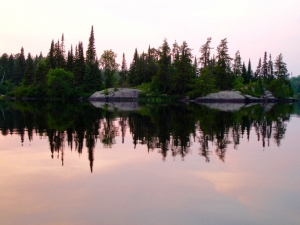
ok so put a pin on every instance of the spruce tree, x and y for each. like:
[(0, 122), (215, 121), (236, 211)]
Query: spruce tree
[(4, 62), (133, 70), (270, 68), (237, 64), (11, 63), (70, 60), (196, 72), (249, 71), (59, 57), (62, 48), (79, 65), (245, 76), (183, 70), (51, 56), (152, 64), (41, 72), (223, 75), (91, 50), (205, 53), (164, 67), (20, 68), (29, 72), (124, 71), (258, 70), (264, 67), (280, 68)]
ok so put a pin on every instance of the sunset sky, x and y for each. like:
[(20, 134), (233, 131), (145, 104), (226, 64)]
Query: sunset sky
[(251, 26)]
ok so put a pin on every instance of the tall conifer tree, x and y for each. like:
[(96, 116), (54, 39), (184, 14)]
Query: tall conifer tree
[(51, 56), (20, 67), (29, 72), (164, 67), (205, 53), (264, 67), (124, 71), (270, 68), (91, 50)]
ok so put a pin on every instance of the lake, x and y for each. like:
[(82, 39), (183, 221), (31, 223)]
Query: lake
[(124, 163)]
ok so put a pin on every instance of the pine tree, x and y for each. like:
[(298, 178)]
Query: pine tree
[(245, 76), (4, 62), (79, 65), (91, 50), (20, 67), (258, 70), (62, 48), (133, 70), (51, 56), (41, 72), (249, 71), (270, 68), (222, 70), (196, 72), (164, 67), (280, 68), (11, 63), (152, 64), (264, 67), (59, 57), (70, 60), (237, 64), (184, 72), (92, 77), (124, 71), (29, 72), (205, 53)]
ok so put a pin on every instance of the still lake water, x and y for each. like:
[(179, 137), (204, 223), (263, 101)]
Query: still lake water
[(153, 164)]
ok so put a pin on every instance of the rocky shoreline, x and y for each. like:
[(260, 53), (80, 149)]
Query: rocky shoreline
[(131, 95), (237, 97)]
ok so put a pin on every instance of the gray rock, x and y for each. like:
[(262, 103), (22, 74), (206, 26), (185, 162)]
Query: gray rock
[(251, 97), (223, 96), (120, 93)]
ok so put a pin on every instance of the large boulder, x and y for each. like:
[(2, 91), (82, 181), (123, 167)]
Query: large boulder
[(222, 96), (112, 94)]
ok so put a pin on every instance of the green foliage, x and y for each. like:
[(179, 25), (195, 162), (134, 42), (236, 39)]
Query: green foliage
[(254, 89), (202, 85), (295, 83), (281, 88), (60, 84), (29, 72), (183, 70), (238, 83), (3, 89)]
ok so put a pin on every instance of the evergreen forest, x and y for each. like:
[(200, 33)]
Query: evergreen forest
[(167, 70)]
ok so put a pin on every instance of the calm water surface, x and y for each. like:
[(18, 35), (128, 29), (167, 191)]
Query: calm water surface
[(169, 164)]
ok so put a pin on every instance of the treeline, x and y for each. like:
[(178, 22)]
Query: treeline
[(171, 70)]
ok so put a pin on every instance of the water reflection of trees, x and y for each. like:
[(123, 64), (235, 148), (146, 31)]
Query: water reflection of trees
[(167, 129)]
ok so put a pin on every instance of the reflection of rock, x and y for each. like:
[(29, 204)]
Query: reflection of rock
[(230, 107), (120, 106), (227, 107), (120, 94)]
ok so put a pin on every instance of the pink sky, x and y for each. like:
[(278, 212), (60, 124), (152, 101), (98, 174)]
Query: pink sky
[(252, 27)]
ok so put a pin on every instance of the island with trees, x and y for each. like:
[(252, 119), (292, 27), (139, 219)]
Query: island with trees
[(169, 71)]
